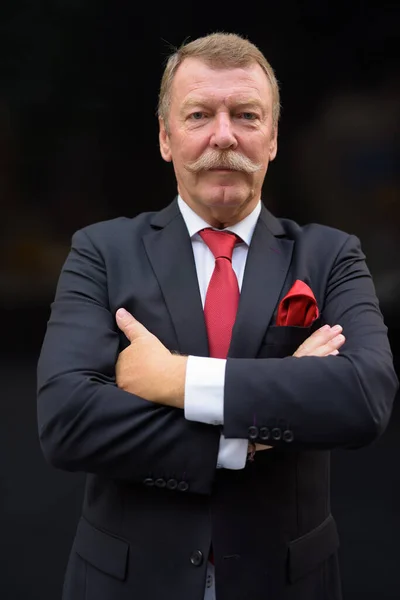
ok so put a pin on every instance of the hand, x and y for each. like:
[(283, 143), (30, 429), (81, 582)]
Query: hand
[(147, 368), (260, 447), (326, 341)]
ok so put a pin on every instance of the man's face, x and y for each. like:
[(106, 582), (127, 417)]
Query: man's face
[(220, 139)]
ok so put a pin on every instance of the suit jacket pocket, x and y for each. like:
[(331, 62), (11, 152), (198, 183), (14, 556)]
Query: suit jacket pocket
[(309, 551), (104, 551), (284, 341)]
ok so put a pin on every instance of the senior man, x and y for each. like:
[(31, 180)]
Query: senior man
[(195, 364)]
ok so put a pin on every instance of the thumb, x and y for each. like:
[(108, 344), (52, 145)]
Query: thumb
[(129, 325)]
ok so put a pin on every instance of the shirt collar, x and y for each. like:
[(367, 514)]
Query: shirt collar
[(244, 229)]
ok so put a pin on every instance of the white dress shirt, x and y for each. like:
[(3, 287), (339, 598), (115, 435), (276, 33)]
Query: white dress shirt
[(205, 377)]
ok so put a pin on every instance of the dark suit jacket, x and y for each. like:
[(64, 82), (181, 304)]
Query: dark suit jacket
[(154, 499)]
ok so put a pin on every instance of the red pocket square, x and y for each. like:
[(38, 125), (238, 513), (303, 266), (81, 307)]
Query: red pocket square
[(299, 306)]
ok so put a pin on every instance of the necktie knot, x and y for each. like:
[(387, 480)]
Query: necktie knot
[(221, 243)]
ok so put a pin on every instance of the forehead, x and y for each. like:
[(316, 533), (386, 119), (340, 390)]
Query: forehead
[(196, 79)]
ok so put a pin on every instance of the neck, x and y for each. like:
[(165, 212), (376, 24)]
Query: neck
[(221, 217)]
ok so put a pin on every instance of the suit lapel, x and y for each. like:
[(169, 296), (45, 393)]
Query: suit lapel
[(170, 252), (267, 265)]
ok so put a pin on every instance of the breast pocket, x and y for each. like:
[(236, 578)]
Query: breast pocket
[(284, 340)]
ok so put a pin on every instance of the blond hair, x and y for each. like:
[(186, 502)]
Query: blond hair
[(221, 50)]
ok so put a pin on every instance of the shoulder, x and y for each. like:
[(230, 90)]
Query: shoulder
[(317, 236), (316, 243), (308, 232), (114, 232), (314, 231)]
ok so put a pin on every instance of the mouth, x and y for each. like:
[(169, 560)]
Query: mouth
[(226, 169)]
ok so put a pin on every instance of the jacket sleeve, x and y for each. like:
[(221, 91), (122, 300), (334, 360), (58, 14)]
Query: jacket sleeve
[(321, 403), (86, 423)]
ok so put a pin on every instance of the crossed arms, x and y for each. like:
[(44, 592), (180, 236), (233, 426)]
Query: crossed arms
[(89, 423)]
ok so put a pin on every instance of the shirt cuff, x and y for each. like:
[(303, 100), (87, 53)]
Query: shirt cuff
[(204, 390), (232, 453)]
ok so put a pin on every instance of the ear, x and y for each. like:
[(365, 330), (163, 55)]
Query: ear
[(163, 137), (273, 146)]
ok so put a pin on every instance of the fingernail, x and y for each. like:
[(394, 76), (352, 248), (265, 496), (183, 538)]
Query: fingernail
[(325, 328), (337, 328), (339, 338), (121, 313)]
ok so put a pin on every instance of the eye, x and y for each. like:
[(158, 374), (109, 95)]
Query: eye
[(196, 116), (248, 116)]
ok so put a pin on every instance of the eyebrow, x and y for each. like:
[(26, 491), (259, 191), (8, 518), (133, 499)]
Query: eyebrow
[(192, 102), (237, 102), (243, 101)]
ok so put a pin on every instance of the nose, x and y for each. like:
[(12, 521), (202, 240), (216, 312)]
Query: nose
[(223, 137)]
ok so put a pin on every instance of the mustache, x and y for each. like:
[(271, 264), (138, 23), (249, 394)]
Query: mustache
[(213, 159)]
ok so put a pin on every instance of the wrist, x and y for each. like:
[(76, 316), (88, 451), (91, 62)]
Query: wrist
[(251, 451), (174, 390)]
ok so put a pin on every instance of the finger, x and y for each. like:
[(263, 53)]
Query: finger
[(323, 335), (319, 338), (329, 347), (316, 339), (129, 325)]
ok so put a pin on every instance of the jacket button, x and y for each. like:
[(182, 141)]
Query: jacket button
[(149, 481), (288, 436), (160, 483), (196, 558), (172, 484), (276, 433), (183, 486), (253, 432), (264, 433)]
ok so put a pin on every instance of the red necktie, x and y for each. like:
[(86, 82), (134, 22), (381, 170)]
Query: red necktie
[(222, 298)]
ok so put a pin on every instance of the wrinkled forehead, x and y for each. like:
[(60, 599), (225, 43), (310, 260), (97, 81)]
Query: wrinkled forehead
[(196, 78)]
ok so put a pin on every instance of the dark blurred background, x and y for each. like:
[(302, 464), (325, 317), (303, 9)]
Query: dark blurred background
[(78, 144)]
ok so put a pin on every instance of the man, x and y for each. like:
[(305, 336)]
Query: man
[(199, 376)]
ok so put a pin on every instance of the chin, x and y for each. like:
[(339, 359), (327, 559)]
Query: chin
[(225, 196)]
